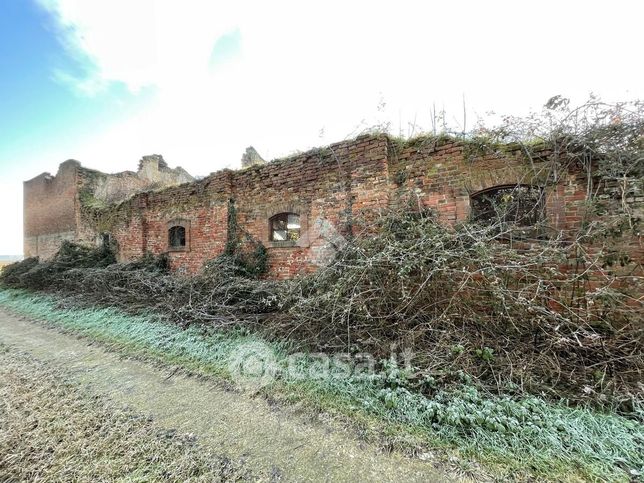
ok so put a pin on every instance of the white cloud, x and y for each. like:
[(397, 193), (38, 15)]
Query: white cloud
[(304, 66), (139, 43)]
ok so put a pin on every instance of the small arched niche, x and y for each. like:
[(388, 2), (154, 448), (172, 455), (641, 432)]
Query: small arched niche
[(178, 235)]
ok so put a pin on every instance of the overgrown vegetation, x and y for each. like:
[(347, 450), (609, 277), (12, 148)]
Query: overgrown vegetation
[(244, 252), (465, 300), (523, 436), (502, 328), (510, 315), (52, 430), (221, 294), (39, 275)]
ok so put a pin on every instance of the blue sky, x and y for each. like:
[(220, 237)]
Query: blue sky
[(40, 112), (106, 82)]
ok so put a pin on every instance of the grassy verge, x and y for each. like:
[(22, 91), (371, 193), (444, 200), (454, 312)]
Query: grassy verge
[(516, 437), (50, 430)]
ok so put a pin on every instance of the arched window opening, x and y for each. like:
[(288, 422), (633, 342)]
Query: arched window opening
[(514, 205), (285, 227), (177, 237)]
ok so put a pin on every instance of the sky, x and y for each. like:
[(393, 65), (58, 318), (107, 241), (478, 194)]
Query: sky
[(106, 82)]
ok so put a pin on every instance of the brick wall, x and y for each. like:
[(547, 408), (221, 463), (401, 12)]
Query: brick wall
[(444, 174), (201, 207), (52, 204), (328, 188), (50, 210), (337, 191), (331, 189)]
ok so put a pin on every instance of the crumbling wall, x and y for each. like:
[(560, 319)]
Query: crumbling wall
[(53, 205), (330, 189), (444, 173), (49, 210), (141, 223), (337, 192), (153, 173)]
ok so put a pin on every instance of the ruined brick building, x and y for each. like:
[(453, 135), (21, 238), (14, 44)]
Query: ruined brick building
[(297, 207)]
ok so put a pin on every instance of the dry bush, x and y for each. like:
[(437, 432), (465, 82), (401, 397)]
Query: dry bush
[(544, 314), (221, 294), (31, 273), (12, 272), (467, 301), (471, 299)]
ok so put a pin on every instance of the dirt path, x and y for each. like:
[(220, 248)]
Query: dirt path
[(278, 440)]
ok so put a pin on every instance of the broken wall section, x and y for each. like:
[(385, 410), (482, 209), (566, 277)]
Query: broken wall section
[(153, 173), (49, 210), (53, 205)]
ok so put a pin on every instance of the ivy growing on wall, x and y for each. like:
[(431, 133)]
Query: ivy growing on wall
[(248, 253)]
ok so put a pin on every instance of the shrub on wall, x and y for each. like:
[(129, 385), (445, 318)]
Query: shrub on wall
[(247, 254)]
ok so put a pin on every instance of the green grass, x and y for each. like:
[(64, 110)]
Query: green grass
[(514, 437)]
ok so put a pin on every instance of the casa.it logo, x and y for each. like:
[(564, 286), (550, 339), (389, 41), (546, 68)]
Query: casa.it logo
[(253, 365), (326, 242)]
